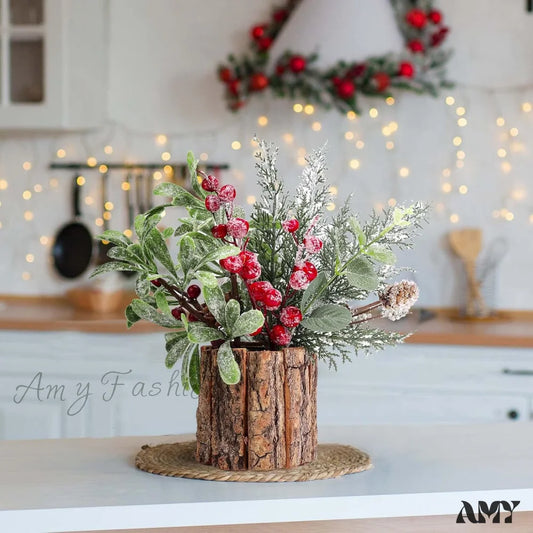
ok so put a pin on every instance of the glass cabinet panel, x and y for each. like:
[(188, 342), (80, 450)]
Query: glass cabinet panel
[(26, 71), (26, 12)]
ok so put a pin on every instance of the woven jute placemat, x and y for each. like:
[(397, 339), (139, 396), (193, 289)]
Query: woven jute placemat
[(177, 460)]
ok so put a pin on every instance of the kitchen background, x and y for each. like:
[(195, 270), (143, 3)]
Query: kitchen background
[(135, 81)]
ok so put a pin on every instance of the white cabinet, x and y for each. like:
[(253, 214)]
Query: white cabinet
[(53, 71)]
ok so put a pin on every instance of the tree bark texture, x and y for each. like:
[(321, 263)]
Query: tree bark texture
[(266, 421)]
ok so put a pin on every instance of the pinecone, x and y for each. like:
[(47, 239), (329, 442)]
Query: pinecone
[(397, 299)]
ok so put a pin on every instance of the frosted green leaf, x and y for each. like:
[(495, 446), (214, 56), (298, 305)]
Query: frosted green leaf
[(207, 279), (116, 237), (147, 312), (227, 366), (360, 273), (158, 247), (220, 253), (247, 323), (315, 288), (192, 163), (186, 253), (177, 350), (161, 301), (185, 383), (216, 302), (194, 370), (180, 197), (114, 266), (357, 230), (200, 333), (381, 253), (329, 317), (131, 317), (233, 310)]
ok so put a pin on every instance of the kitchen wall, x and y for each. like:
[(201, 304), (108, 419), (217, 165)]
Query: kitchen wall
[(161, 77)]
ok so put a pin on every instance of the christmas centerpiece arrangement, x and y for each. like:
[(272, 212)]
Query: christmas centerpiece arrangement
[(252, 302), (420, 67)]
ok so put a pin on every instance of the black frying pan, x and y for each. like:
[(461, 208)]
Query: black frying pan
[(73, 245)]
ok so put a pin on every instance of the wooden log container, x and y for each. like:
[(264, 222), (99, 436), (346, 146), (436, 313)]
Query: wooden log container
[(266, 421)]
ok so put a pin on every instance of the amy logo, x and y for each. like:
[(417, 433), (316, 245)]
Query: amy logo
[(486, 511)]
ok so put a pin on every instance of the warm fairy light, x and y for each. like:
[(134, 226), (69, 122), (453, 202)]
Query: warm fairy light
[(30, 258), (500, 121), (459, 163), (509, 216), (26, 165), (355, 164), (3, 185), (262, 120), (460, 154), (157, 175), (506, 167), (52, 182), (446, 172), (298, 108), (128, 232), (99, 221), (454, 218), (26, 195), (389, 145), (378, 206), (333, 190), (517, 146), (168, 170), (531, 219), (446, 187), (161, 139), (0, 225), (360, 145), (496, 213), (91, 161), (108, 149), (460, 111), (26, 276), (38, 187), (301, 151), (439, 207), (236, 145), (462, 122), (373, 112), (457, 141), (527, 107), (102, 169), (386, 131), (301, 161), (330, 206), (393, 126), (204, 156), (502, 152), (44, 240), (107, 215), (316, 126), (513, 132), (89, 200), (288, 138), (309, 109), (349, 135), (250, 199), (61, 153), (109, 206), (165, 156), (450, 100), (403, 172), (391, 202), (80, 180), (463, 189), (125, 186), (389, 100), (518, 194), (351, 115), (28, 215)]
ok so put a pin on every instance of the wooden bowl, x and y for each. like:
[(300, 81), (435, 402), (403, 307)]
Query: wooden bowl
[(98, 301)]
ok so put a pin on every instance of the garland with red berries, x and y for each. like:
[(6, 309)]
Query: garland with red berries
[(418, 68)]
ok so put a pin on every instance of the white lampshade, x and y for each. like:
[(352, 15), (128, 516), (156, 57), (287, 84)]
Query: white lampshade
[(340, 29)]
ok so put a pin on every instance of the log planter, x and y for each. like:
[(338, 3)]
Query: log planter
[(265, 422)]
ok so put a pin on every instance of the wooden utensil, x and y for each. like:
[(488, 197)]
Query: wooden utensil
[(466, 243)]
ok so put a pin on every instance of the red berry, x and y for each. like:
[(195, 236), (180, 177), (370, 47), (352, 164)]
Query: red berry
[(219, 231), (416, 18), (290, 316), (310, 270), (156, 282), (210, 183), (346, 89), (258, 289), (256, 332), (381, 81), (247, 256), (272, 299), (438, 37), (238, 227), (250, 271), (264, 43), (415, 46), (258, 31), (227, 193), (280, 15), (280, 335), (291, 225), (212, 203), (312, 244), (177, 312), (299, 280), (192, 318), (336, 81), (234, 106), (234, 86), (406, 70), (280, 69), (232, 264), (297, 63), (356, 70), (193, 291), (435, 16), (225, 74), (258, 82)]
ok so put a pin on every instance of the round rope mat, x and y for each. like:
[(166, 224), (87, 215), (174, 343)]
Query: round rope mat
[(334, 460)]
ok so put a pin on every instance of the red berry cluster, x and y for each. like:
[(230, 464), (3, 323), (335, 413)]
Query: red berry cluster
[(432, 33)]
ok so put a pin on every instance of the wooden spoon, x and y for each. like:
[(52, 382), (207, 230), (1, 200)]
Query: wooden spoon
[(466, 243)]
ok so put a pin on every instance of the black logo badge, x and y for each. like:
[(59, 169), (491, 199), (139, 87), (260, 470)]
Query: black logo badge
[(485, 512)]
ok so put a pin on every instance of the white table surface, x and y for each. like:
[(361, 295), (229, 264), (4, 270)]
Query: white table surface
[(92, 484)]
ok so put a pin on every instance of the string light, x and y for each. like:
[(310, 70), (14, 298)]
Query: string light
[(446, 172), (107, 215), (125, 186), (502, 152), (391, 202), (403, 172), (157, 175), (250, 200), (500, 121), (38, 187), (89, 200), (204, 156), (236, 145), (91, 161), (30, 258), (462, 122), (531, 219), (262, 120), (61, 153), (389, 100), (506, 167), (3, 185), (168, 170), (446, 187), (393, 126), (316, 126), (386, 131), (128, 232), (302, 152), (389, 145), (26, 165), (513, 132), (99, 222), (301, 161), (26, 195), (457, 141), (108, 149), (454, 218), (360, 145), (297, 108), (459, 163), (460, 111), (349, 135), (518, 194), (165, 156), (44, 240), (80, 180), (288, 138), (355, 164), (463, 189), (351, 115), (161, 139), (109, 206), (527, 107), (333, 190), (28, 215), (309, 109), (26, 276), (102, 169), (460, 154), (53, 183), (450, 100), (373, 112), (509, 216), (330, 206)]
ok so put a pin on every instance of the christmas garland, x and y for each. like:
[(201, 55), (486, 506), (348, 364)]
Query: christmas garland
[(419, 68)]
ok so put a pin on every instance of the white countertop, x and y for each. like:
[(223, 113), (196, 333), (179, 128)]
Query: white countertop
[(92, 484)]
